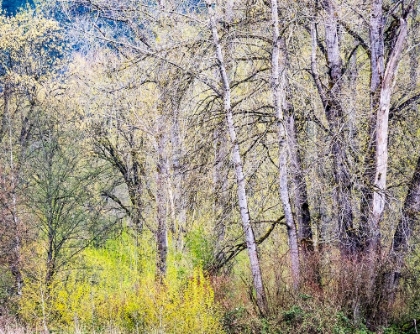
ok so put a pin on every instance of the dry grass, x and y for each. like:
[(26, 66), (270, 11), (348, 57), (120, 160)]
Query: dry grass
[(13, 329)]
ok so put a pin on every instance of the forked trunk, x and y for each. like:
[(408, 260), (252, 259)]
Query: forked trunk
[(331, 100), (382, 82)]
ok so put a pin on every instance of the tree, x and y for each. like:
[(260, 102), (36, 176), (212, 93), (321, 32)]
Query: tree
[(240, 178), (278, 88), (30, 52), (383, 76), (68, 215), (171, 100)]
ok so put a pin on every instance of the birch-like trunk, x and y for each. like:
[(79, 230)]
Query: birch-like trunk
[(376, 35), (240, 178), (220, 176), (277, 85), (380, 145)]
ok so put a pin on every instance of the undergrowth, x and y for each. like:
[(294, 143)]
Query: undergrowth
[(115, 286)]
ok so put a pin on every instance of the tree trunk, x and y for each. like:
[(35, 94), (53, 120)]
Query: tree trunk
[(376, 35), (220, 181), (414, 52), (178, 200), (220, 176), (381, 89), (240, 178), (161, 184), (301, 201), (134, 183), (15, 256), (277, 86), (331, 100), (50, 254), (229, 11), (406, 226)]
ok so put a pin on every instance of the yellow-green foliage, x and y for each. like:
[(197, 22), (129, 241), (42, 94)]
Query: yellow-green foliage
[(117, 288), (30, 47)]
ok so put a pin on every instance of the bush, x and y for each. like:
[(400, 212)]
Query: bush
[(118, 289)]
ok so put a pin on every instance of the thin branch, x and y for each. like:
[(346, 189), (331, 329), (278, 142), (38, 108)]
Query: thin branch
[(230, 252)]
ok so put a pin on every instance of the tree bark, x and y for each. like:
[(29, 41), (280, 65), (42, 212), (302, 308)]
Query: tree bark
[(387, 284), (332, 105), (178, 181), (15, 256), (414, 52), (135, 186), (301, 201), (220, 176), (376, 35), (277, 86), (161, 183), (240, 178), (406, 226), (382, 82), (220, 180)]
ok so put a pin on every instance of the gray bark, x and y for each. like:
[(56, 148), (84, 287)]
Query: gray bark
[(376, 35), (220, 180), (178, 202), (220, 176), (229, 11), (15, 256), (161, 184), (278, 81), (414, 52), (301, 201), (381, 108), (331, 100), (406, 226), (135, 186), (237, 161)]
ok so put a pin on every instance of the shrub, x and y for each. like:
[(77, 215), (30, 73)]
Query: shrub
[(117, 288)]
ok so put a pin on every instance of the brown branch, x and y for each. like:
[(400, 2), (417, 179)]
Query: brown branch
[(118, 201), (230, 252), (356, 36), (393, 112)]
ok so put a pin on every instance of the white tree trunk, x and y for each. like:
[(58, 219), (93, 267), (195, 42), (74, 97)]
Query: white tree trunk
[(240, 178), (381, 134), (277, 86)]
